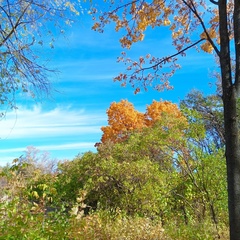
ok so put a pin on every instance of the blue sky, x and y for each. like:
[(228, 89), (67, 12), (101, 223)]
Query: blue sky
[(69, 121)]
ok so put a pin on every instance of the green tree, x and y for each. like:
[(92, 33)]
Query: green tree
[(210, 113), (217, 32), (25, 27), (203, 169)]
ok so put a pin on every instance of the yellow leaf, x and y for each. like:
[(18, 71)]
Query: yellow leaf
[(44, 195), (215, 19), (35, 194), (177, 34), (166, 22), (207, 47), (203, 35), (212, 33)]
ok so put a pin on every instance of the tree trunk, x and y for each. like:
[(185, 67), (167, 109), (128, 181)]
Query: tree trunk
[(230, 96), (233, 161)]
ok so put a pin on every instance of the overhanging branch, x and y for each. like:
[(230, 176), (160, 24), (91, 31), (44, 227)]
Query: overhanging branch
[(214, 2), (195, 12), (174, 55), (14, 27)]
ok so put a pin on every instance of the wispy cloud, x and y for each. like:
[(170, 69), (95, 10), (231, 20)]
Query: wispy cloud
[(67, 146), (68, 150), (60, 121)]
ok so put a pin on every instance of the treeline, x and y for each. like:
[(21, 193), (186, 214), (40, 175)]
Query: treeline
[(156, 175)]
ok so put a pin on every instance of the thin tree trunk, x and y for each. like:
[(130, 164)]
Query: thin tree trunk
[(230, 96), (233, 163)]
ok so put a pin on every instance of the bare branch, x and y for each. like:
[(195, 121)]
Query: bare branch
[(174, 55), (214, 2), (123, 6)]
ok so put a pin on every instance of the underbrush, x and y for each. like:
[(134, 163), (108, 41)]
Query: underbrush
[(103, 226), (196, 231), (19, 223)]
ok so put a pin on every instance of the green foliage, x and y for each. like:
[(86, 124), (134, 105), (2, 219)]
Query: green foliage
[(19, 222), (207, 110)]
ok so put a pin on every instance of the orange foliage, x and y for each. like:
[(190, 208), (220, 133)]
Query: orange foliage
[(123, 118), (189, 27), (182, 17), (156, 109)]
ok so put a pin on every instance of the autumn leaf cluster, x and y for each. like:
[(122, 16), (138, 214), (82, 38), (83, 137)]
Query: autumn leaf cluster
[(183, 19)]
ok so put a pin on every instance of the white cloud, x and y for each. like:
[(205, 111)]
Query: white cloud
[(67, 146), (12, 150), (71, 150), (61, 121)]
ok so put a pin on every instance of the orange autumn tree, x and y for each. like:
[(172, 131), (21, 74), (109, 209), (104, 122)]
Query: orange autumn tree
[(156, 109), (123, 118)]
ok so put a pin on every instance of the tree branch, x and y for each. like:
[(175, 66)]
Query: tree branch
[(123, 6), (214, 2), (14, 27), (195, 12), (174, 55)]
